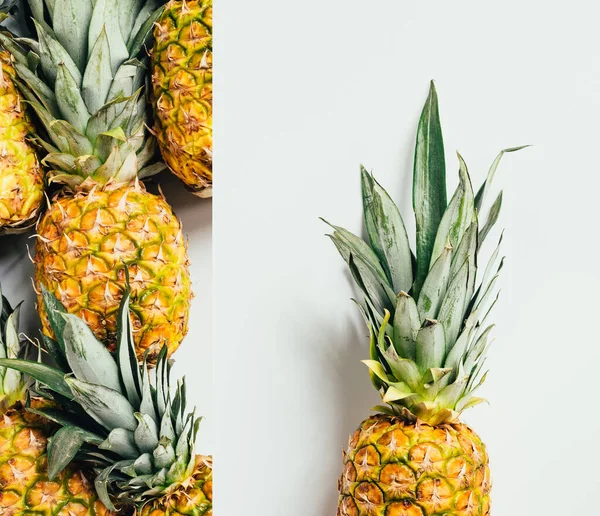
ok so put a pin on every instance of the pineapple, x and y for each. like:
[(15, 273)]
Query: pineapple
[(137, 435), (182, 91), (103, 225), (427, 317), (21, 177), (25, 486)]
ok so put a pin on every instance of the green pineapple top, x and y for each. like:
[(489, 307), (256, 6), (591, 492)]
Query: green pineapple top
[(83, 75), (115, 417), (427, 314)]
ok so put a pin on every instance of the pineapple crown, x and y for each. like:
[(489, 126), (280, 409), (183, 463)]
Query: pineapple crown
[(84, 80), (427, 314), (114, 416), (13, 387)]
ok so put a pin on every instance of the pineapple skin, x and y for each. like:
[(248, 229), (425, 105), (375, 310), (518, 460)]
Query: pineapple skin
[(182, 91), (193, 499), (21, 177), (24, 484), (84, 243), (394, 467)]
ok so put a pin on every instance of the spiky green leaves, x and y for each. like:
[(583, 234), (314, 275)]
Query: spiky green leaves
[(133, 428), (427, 314), (12, 387), (84, 81), (429, 183)]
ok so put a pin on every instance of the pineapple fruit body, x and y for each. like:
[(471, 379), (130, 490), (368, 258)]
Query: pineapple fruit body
[(21, 177), (194, 498), (394, 467), (182, 91), (24, 484), (86, 242)]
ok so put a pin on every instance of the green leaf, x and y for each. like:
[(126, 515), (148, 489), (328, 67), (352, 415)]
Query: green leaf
[(492, 218), (458, 216), (429, 185), (54, 310), (452, 310), (378, 292), (63, 447), (71, 27), (431, 345), (89, 359), (142, 35), (105, 17), (108, 407), (69, 100), (53, 56), (351, 244), (97, 77), (146, 434), (434, 287), (47, 375), (406, 326), (387, 233), (128, 364), (121, 442), (481, 193)]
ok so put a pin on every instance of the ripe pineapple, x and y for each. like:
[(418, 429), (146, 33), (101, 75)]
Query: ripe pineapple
[(182, 88), (127, 425), (104, 223), (24, 484), (429, 337), (21, 177)]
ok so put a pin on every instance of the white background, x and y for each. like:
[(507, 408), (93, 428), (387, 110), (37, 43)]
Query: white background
[(194, 357), (305, 92)]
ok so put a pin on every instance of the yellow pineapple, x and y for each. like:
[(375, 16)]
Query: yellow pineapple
[(182, 91), (133, 428), (21, 177), (87, 91), (25, 486), (429, 338)]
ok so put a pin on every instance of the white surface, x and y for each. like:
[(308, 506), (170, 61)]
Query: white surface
[(194, 357), (307, 92)]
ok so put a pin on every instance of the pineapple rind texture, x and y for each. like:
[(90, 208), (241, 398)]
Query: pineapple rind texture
[(84, 243), (21, 177), (182, 91), (397, 468), (24, 483)]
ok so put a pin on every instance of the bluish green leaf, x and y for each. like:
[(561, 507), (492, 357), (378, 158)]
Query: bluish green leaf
[(429, 185)]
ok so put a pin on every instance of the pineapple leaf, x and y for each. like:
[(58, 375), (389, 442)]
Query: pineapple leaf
[(105, 17), (429, 185), (127, 360), (452, 309), (434, 287), (146, 434), (95, 86), (406, 326), (54, 310), (458, 216), (53, 56), (64, 445), (121, 442), (377, 290), (71, 27), (69, 99), (430, 345), (482, 192), (492, 218), (387, 233), (88, 358), (141, 36), (47, 375), (106, 406)]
